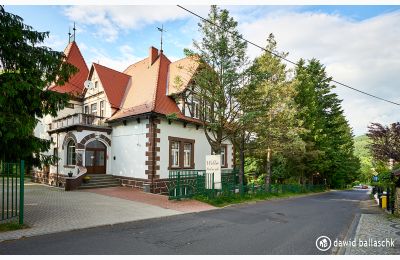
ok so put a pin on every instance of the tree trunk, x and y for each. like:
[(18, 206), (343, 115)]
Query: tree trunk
[(268, 169), (241, 168)]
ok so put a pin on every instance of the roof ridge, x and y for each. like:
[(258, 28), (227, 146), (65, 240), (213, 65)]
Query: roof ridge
[(135, 63), (94, 63), (79, 52)]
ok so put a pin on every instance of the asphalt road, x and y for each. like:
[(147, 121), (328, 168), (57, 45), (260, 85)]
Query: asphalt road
[(286, 226)]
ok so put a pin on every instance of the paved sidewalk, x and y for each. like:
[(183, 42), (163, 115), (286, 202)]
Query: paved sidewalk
[(154, 199), (50, 210), (377, 226)]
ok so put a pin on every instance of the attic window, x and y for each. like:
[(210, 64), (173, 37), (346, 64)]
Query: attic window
[(95, 84)]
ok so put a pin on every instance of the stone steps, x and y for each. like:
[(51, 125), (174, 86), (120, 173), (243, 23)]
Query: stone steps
[(100, 181)]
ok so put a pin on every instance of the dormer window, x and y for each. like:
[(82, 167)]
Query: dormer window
[(93, 108)]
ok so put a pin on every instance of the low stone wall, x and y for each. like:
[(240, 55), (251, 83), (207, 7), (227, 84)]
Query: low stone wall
[(48, 178), (159, 187), (397, 202)]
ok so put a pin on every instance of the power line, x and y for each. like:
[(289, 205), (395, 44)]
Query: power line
[(282, 57)]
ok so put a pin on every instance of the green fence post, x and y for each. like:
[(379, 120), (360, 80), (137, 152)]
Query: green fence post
[(21, 192), (178, 188)]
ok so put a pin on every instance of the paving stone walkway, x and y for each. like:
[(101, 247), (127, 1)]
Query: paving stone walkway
[(162, 201), (377, 226), (51, 210)]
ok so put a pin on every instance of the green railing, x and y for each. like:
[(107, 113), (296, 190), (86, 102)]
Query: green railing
[(12, 191), (187, 183)]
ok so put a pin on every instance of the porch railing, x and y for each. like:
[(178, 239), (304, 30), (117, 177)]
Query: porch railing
[(77, 119)]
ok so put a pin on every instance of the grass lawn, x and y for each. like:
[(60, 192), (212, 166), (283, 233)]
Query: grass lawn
[(11, 226), (221, 201)]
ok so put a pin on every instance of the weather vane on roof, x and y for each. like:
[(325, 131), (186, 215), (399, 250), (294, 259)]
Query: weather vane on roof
[(161, 30), (71, 35)]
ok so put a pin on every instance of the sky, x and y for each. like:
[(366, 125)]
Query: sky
[(359, 45)]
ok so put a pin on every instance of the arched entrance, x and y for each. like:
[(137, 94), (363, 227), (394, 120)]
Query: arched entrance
[(95, 157)]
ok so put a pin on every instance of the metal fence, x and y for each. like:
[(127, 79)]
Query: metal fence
[(12, 191), (188, 183)]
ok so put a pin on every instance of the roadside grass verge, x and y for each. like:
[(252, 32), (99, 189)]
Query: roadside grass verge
[(225, 200), (10, 226)]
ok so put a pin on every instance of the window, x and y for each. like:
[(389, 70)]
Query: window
[(55, 154), (96, 84), (181, 153), (69, 105), (224, 156), (93, 108), (71, 153), (187, 155), (196, 109), (86, 111), (175, 154), (101, 108)]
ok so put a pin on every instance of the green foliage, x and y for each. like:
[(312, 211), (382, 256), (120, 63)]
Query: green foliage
[(259, 195), (222, 58), (329, 139), (364, 155), (28, 69), (11, 226)]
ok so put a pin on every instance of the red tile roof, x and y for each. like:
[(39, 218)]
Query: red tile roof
[(148, 90), (114, 83), (74, 85)]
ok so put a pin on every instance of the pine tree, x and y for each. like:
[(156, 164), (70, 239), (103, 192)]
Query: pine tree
[(27, 69)]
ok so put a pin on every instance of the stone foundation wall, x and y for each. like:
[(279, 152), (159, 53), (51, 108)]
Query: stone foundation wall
[(48, 178), (159, 187)]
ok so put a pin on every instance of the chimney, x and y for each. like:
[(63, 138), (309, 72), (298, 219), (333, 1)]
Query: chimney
[(153, 55)]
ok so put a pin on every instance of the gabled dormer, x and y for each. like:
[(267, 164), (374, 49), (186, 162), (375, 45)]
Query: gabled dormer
[(106, 91)]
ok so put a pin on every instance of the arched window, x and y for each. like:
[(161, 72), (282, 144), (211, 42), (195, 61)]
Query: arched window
[(71, 153)]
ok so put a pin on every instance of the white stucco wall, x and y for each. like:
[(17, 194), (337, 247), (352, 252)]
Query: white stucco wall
[(129, 148), (201, 145)]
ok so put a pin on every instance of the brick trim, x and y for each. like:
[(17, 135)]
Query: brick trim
[(84, 140), (152, 156), (67, 137)]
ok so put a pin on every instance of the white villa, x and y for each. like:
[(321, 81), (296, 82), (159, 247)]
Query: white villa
[(134, 125)]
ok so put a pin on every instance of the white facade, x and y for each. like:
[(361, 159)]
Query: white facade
[(128, 149), (201, 145)]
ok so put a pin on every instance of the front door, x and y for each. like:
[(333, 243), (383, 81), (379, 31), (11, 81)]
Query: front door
[(95, 157)]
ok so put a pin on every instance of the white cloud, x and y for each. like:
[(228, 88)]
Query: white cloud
[(110, 20), (362, 54), (120, 62)]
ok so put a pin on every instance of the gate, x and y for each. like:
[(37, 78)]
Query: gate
[(12, 191)]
